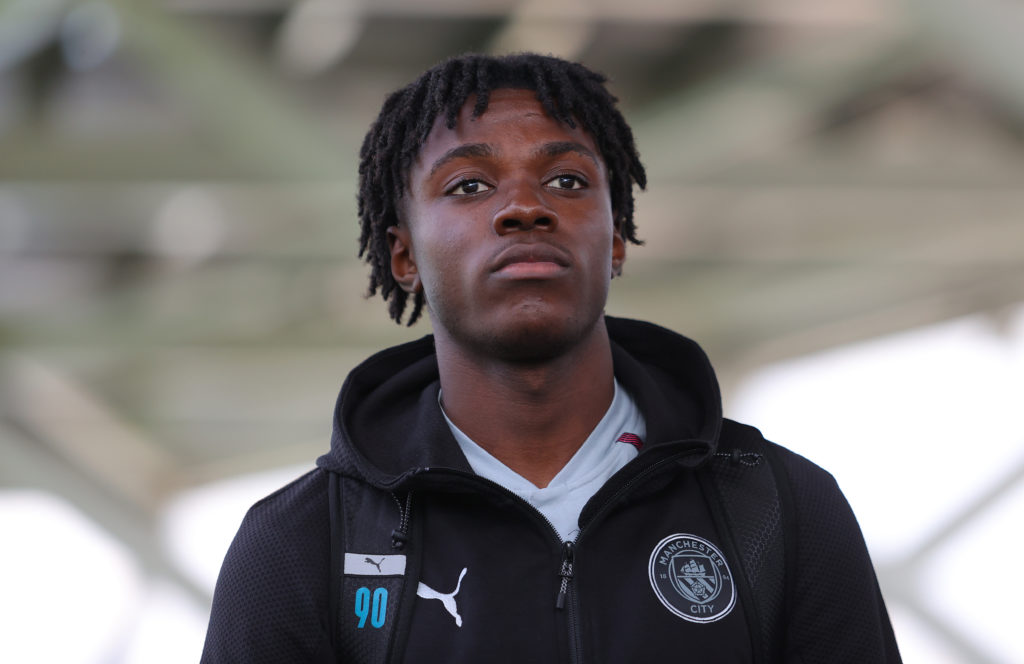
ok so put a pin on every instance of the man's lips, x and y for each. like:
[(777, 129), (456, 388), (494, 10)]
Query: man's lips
[(530, 261)]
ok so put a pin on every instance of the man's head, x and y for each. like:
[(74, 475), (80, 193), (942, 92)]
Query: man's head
[(568, 92)]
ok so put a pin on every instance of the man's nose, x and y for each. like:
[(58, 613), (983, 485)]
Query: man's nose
[(525, 209)]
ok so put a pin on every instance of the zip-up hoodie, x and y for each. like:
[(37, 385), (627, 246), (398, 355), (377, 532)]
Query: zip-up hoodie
[(650, 575)]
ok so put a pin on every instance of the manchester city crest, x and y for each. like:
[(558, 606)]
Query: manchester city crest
[(691, 578)]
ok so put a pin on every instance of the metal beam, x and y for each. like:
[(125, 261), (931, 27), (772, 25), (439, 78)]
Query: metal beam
[(79, 428)]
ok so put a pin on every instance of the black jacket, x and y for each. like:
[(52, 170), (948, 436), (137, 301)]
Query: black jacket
[(652, 575)]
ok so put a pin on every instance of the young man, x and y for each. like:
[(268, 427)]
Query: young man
[(536, 482)]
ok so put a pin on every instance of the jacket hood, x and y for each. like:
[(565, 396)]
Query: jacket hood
[(388, 426)]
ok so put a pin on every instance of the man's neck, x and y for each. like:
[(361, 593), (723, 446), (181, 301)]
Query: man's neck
[(532, 417)]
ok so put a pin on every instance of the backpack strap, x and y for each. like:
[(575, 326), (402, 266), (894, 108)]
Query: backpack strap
[(743, 487), (370, 566)]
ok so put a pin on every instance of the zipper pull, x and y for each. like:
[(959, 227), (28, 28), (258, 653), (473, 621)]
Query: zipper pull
[(565, 573)]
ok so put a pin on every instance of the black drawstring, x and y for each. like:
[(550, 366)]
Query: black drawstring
[(400, 535)]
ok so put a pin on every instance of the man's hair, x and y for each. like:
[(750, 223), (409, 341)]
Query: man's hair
[(569, 92)]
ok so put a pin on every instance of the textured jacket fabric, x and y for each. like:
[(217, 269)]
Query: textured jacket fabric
[(652, 574)]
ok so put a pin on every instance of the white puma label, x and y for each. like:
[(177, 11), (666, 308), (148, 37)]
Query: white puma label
[(373, 564), (447, 599)]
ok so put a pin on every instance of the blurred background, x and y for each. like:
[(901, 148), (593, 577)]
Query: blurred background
[(834, 213)]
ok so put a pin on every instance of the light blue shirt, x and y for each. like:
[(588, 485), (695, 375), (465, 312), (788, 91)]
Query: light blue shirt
[(562, 500)]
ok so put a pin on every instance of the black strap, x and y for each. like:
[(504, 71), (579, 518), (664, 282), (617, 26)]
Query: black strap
[(365, 608), (789, 530), (744, 496)]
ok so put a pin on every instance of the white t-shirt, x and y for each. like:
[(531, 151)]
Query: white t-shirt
[(601, 454)]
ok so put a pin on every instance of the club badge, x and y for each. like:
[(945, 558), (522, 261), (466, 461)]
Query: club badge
[(690, 577)]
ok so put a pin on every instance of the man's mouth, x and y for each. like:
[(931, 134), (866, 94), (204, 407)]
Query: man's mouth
[(530, 261)]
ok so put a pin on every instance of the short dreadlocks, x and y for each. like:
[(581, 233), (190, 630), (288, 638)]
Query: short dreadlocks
[(569, 92)]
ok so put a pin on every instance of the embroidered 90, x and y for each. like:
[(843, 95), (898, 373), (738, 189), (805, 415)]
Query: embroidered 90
[(376, 609)]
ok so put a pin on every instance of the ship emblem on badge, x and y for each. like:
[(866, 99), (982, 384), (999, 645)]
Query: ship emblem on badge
[(691, 578)]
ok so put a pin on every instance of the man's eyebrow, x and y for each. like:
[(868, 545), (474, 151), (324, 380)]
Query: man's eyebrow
[(561, 147), (466, 150)]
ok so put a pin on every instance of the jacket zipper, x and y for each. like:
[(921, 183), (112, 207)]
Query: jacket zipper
[(565, 573), (568, 560)]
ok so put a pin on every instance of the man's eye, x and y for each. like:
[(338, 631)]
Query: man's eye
[(466, 187), (566, 182)]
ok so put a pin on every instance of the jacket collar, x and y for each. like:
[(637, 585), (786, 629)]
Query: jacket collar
[(388, 426)]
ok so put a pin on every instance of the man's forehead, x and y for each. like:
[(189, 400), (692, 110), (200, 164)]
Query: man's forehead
[(505, 107), (485, 151)]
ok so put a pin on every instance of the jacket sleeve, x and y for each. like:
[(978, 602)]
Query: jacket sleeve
[(835, 611), (270, 604)]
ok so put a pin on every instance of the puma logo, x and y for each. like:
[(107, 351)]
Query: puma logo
[(376, 564), (447, 599)]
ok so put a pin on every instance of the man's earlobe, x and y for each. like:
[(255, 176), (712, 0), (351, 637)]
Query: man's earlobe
[(403, 263), (618, 253)]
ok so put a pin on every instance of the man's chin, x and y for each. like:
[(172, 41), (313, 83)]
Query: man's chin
[(535, 340)]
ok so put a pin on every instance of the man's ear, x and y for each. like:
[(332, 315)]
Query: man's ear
[(403, 263), (618, 253)]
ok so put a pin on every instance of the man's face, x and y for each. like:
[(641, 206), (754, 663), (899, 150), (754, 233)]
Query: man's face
[(508, 229)]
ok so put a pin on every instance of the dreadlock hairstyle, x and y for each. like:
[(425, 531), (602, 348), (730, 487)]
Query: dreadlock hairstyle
[(569, 93)]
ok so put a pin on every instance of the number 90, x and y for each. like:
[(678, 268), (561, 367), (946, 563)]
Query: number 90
[(376, 611)]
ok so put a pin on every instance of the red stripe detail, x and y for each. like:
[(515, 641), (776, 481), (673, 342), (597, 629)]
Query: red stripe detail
[(632, 439)]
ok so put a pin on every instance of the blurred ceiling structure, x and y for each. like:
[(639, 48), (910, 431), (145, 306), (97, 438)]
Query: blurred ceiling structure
[(179, 293)]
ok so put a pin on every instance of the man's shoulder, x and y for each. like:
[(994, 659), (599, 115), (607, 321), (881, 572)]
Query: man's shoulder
[(282, 547), (296, 516), (273, 586)]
